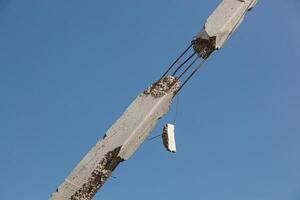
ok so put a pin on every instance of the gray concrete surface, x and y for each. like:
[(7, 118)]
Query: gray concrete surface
[(119, 142)]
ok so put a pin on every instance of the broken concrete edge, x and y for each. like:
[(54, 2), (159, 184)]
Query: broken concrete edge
[(97, 166), (204, 46), (99, 176), (162, 92), (220, 25), (161, 87), (168, 138)]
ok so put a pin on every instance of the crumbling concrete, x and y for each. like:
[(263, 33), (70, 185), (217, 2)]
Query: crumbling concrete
[(163, 86), (99, 175), (220, 25), (119, 142)]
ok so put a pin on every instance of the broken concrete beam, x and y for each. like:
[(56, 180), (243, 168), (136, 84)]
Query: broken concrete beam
[(168, 137), (220, 25), (119, 142)]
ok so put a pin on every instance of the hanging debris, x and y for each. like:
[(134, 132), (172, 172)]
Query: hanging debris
[(168, 137), (132, 128), (119, 143)]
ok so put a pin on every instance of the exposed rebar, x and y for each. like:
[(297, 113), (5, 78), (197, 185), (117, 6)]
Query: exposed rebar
[(186, 69), (180, 66), (190, 76), (174, 63)]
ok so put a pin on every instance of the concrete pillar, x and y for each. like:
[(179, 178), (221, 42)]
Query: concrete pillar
[(119, 143)]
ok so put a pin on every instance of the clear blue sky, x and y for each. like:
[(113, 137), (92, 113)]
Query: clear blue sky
[(68, 69)]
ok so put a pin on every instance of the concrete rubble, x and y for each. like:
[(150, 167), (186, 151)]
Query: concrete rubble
[(168, 137), (119, 143)]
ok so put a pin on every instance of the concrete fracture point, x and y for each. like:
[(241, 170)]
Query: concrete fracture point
[(126, 135), (220, 25), (120, 141)]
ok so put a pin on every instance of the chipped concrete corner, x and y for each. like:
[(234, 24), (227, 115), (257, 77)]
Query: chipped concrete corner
[(221, 25), (120, 142)]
